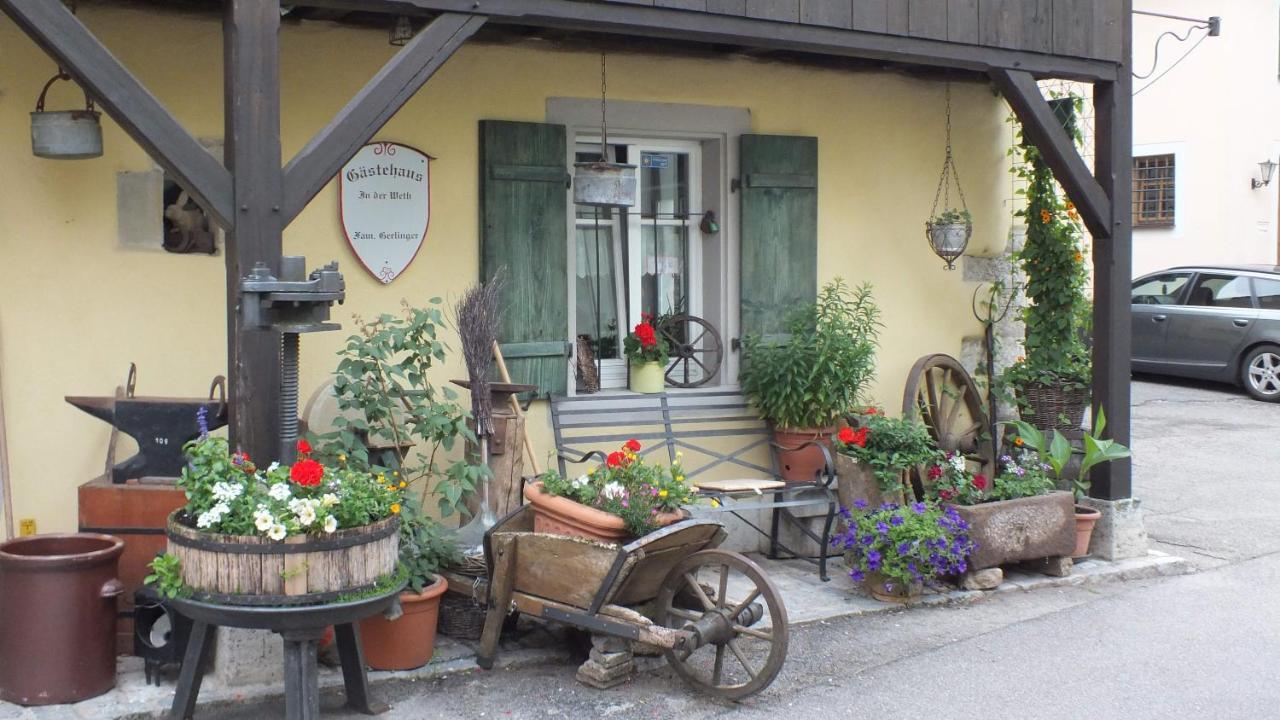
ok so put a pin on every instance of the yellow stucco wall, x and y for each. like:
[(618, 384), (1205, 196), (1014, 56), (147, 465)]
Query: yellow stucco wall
[(76, 309)]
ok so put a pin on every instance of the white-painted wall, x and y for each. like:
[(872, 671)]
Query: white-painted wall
[(1218, 112)]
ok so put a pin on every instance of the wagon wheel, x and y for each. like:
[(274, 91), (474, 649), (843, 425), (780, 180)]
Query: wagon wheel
[(942, 394), (739, 629), (693, 342)]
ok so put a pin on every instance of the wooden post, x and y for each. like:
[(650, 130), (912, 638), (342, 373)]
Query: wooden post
[(1112, 266), (252, 106)]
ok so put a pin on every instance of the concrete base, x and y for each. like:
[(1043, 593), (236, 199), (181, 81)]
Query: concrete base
[(1121, 533), (248, 657)]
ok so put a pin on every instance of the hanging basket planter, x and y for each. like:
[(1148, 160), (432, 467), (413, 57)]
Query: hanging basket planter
[(65, 134), (604, 184), (949, 230)]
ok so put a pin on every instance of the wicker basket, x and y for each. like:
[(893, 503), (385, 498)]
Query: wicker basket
[(1052, 407), (462, 608)]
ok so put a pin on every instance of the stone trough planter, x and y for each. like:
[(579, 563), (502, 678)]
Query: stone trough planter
[(1030, 528)]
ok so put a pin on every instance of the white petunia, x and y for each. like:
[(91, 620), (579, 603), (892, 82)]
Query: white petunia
[(295, 503), (306, 515), (581, 481), (613, 490), (328, 500), (226, 491), (205, 519), (279, 491), (272, 467), (957, 462), (262, 519), (330, 524), (277, 532)]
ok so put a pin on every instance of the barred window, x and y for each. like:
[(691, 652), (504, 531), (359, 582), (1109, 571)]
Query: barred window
[(1153, 191)]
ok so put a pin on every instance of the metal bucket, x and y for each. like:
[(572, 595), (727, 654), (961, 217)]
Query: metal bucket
[(604, 184), (65, 134), (58, 617)]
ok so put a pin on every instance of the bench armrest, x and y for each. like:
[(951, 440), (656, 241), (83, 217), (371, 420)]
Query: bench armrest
[(568, 456), (828, 474)]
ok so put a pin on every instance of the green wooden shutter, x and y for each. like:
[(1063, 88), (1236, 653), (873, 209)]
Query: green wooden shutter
[(524, 228), (779, 196)]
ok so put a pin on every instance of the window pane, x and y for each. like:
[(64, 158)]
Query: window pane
[(664, 184), (1160, 290), (1226, 291), (663, 263), (1268, 292), (597, 290)]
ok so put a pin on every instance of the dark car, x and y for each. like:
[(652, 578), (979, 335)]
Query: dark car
[(1213, 323)]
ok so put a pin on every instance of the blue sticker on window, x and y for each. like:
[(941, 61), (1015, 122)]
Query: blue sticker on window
[(654, 160)]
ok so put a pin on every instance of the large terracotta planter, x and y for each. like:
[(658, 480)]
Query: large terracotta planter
[(801, 466), (562, 516), (1086, 518), (408, 641), (1028, 528), (892, 591)]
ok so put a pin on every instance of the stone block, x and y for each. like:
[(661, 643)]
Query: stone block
[(1027, 528), (248, 657), (609, 644), (1121, 532), (610, 660), (988, 579), (591, 674)]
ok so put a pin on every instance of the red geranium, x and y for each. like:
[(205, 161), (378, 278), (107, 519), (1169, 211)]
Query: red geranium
[(945, 494), (646, 335), (615, 459), (935, 472), (306, 472), (980, 482), (845, 435), (633, 445), (304, 447), (859, 438)]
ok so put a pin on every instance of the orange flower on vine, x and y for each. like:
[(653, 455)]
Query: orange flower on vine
[(1045, 217), (1079, 257)]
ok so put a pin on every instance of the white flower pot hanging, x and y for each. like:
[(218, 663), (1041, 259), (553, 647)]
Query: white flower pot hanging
[(949, 230)]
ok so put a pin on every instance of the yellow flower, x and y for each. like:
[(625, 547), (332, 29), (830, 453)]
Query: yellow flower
[(403, 484), (715, 503), (662, 493), (679, 478), (1079, 257), (395, 508), (395, 473), (382, 478), (592, 471), (342, 457)]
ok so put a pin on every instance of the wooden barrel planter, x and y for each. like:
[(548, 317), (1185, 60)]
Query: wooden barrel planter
[(299, 570)]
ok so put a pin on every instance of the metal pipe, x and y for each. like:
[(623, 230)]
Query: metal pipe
[(1213, 23)]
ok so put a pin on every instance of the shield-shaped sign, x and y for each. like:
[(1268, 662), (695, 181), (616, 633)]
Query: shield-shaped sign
[(385, 206)]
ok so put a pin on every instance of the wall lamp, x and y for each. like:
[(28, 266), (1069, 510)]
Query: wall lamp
[(1268, 169)]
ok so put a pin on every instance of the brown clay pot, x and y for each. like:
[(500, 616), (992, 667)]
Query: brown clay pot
[(801, 466), (892, 591), (1086, 518), (408, 641), (562, 516)]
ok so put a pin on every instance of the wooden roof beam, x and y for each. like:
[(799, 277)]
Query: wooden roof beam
[(143, 117), (323, 157), (666, 23), (1043, 129)]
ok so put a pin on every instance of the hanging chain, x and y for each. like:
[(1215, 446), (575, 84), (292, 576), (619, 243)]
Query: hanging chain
[(604, 128), (949, 171)]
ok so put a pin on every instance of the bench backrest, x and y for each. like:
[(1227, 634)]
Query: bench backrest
[(719, 433)]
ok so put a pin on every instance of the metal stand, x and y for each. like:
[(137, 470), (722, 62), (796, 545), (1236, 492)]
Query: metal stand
[(301, 629)]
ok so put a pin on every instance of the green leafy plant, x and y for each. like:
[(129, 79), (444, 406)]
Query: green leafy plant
[(626, 486), (1055, 450), (952, 216), (819, 373), (888, 446), (383, 389), (166, 576), (425, 547)]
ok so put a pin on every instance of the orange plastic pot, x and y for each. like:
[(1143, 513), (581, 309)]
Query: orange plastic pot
[(409, 641), (803, 465), (1086, 518)]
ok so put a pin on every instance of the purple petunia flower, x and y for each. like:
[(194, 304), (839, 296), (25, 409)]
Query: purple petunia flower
[(904, 548), (918, 508), (860, 504), (896, 520), (857, 575), (882, 528), (202, 421)]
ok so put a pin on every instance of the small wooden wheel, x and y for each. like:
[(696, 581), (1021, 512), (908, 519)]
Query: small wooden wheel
[(696, 350), (942, 394), (736, 619)]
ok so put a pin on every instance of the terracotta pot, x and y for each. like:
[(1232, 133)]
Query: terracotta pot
[(562, 516), (408, 641), (1086, 518), (801, 466), (892, 591)]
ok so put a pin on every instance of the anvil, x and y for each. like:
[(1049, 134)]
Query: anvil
[(160, 425)]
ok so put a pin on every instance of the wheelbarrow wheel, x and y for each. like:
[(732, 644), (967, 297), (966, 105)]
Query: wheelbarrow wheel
[(738, 630)]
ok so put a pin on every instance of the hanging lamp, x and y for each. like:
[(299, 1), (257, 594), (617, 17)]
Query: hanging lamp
[(603, 183), (949, 231)]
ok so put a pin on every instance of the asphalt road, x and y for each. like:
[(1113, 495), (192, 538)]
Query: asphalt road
[(1205, 645)]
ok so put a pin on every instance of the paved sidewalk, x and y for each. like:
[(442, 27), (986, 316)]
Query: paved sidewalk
[(808, 600)]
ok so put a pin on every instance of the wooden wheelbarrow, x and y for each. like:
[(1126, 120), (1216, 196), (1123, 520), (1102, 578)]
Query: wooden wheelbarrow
[(716, 615)]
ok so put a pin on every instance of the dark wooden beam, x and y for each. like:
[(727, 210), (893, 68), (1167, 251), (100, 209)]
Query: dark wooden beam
[(666, 23), (1113, 269), (52, 26), (250, 31), (316, 164), (1042, 128)]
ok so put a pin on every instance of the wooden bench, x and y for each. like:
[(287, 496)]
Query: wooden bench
[(728, 453)]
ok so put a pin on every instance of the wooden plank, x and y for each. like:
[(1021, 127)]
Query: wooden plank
[(897, 18), (1043, 129), (783, 10), (252, 136), (927, 18), (1017, 24), (1073, 27), (962, 21), (1111, 39), (567, 570), (653, 22), (52, 26), (695, 5), (832, 13), (316, 164), (871, 15), (727, 7), (1112, 268)]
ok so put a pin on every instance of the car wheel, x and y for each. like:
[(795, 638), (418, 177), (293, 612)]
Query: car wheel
[(1260, 373)]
